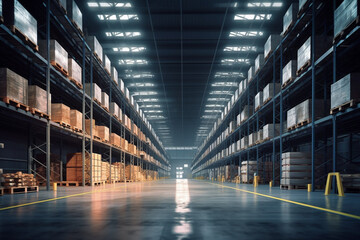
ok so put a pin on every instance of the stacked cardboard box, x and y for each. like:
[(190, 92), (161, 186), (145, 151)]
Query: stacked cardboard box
[(96, 90), (105, 171), (58, 55), (13, 86), (344, 15), (115, 140), (296, 169), (37, 98), (103, 132), (121, 168), (76, 119), (74, 167), (132, 149), (290, 17), (90, 126), (345, 90), (74, 14), (95, 47), (60, 113), (248, 166), (271, 44), (18, 179), (75, 71)]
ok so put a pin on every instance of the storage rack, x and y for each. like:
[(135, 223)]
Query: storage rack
[(42, 132), (321, 136)]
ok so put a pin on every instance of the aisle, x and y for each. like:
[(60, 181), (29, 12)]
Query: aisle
[(176, 209)]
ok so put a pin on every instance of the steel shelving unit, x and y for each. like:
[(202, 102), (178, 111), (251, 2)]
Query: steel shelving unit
[(57, 25), (320, 135)]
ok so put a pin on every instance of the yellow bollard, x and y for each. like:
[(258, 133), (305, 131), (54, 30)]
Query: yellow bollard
[(54, 186), (271, 184), (309, 187), (256, 181), (338, 183)]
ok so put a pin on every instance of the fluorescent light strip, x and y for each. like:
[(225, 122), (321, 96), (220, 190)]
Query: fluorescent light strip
[(129, 49), (123, 34), (246, 34), (249, 17), (265, 4), (109, 4), (117, 17)]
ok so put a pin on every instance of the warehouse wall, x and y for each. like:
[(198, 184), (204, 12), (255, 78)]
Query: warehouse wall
[(178, 158)]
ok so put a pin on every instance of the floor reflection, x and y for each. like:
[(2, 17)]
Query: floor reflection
[(183, 228)]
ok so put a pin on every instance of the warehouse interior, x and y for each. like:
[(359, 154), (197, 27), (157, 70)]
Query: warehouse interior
[(178, 119)]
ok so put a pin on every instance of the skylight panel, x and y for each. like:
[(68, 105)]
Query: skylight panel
[(120, 17), (150, 106), (133, 62), (213, 116), (123, 34), (224, 84), (213, 111), (109, 4), (153, 111), (144, 93), (220, 93), (141, 85), (246, 34), (228, 74), (240, 49), (230, 61), (265, 4), (218, 99), (147, 100), (129, 49), (249, 17), (214, 105), (130, 74)]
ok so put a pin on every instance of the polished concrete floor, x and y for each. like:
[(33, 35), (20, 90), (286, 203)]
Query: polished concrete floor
[(179, 209)]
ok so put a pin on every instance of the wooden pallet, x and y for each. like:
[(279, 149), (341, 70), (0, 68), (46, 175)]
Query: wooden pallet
[(98, 183), (344, 106), (60, 68), (303, 9), (117, 146), (290, 187), (269, 54), (37, 112), (98, 58), (266, 139), (105, 141), (108, 72), (256, 109), (79, 85), (285, 84), (22, 189), (283, 34), (346, 30), (62, 7), (303, 68), (267, 100), (23, 37), (15, 103), (97, 138), (78, 28), (97, 101), (75, 129), (105, 108), (64, 125), (68, 184)]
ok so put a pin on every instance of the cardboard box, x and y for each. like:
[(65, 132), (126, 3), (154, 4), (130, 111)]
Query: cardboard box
[(13, 86)]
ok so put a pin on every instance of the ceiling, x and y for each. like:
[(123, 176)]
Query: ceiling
[(180, 81)]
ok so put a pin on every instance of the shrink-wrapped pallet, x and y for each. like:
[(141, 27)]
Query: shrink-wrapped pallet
[(290, 17), (103, 132), (76, 119), (271, 44), (258, 100), (16, 16), (289, 71), (248, 168), (1, 13), (302, 4), (58, 55), (37, 98), (114, 109), (107, 64), (238, 146), (268, 131), (247, 112), (105, 100), (74, 14), (96, 91), (291, 117), (132, 149), (74, 167), (244, 142), (304, 54), (260, 135), (127, 93), (345, 90), (90, 126), (115, 139), (75, 71), (122, 86), (238, 120), (251, 74), (259, 62), (270, 91), (63, 4), (114, 75), (252, 138), (304, 113), (95, 47), (13, 86), (296, 169), (60, 113), (344, 15), (105, 171)]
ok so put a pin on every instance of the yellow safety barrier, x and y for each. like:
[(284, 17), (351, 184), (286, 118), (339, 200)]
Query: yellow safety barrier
[(338, 182), (237, 180), (54, 186), (256, 181), (309, 187), (223, 179), (270, 183)]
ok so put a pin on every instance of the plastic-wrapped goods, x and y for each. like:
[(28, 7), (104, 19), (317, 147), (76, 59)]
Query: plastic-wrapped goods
[(268, 131), (344, 15), (289, 71), (232, 126), (90, 127), (105, 171), (127, 93), (240, 88), (302, 4), (76, 119), (13, 86), (103, 132), (37, 98), (251, 74), (258, 100), (270, 91), (62, 3), (303, 110), (271, 44), (248, 168), (75, 71), (58, 54), (304, 54), (244, 142), (232, 100), (260, 135), (290, 17), (291, 117), (74, 14), (95, 47), (245, 83), (132, 100), (236, 95), (114, 75), (229, 106), (60, 113), (105, 100), (296, 168), (246, 113), (225, 110), (107, 64), (16, 15), (252, 138), (122, 86), (114, 109), (120, 114), (95, 89), (259, 62), (345, 90), (74, 167), (1, 14), (238, 120)]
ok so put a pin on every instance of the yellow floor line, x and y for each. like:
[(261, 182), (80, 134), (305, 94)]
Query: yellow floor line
[(293, 202), (58, 198)]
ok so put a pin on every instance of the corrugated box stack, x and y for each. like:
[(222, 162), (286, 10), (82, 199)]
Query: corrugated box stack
[(114, 110), (95, 47), (105, 101), (344, 15), (74, 167), (103, 133), (60, 113), (290, 18), (296, 169), (37, 99), (58, 55), (105, 171), (271, 44), (270, 91), (75, 14), (96, 90), (346, 91), (13, 86), (90, 126), (76, 120), (75, 73), (246, 166), (18, 179), (115, 140), (121, 170)]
